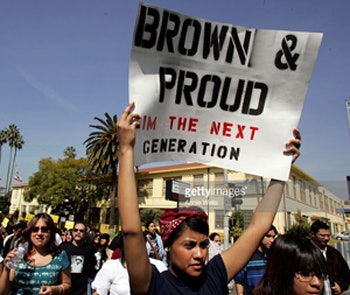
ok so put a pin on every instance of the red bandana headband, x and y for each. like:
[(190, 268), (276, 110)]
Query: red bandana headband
[(172, 218)]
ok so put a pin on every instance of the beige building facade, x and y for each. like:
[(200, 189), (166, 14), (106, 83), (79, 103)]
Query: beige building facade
[(213, 189), (209, 185)]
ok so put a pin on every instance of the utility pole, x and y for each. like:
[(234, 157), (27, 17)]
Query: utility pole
[(227, 209)]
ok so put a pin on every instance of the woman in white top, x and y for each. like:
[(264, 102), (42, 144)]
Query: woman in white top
[(113, 277)]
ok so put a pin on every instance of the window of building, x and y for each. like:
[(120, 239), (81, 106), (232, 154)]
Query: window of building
[(145, 187), (31, 209), (219, 218), (23, 209), (312, 195), (219, 179), (303, 191), (314, 202), (332, 209), (326, 202), (198, 180), (254, 186), (295, 195), (321, 200)]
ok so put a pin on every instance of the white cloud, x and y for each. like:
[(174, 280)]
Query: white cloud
[(47, 92)]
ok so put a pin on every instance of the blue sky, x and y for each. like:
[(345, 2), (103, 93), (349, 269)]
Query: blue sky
[(64, 62)]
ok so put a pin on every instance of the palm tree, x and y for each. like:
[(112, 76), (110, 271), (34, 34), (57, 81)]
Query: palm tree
[(70, 152), (102, 149), (3, 140), (18, 146), (12, 135)]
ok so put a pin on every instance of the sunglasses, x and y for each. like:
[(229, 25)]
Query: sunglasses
[(43, 229), (79, 230)]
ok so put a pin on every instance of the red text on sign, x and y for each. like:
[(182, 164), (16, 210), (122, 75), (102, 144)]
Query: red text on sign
[(183, 123), (149, 123), (229, 129)]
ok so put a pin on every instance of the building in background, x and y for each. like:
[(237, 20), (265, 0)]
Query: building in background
[(208, 187)]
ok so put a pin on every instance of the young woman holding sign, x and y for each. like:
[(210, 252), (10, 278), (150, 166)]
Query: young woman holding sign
[(185, 231)]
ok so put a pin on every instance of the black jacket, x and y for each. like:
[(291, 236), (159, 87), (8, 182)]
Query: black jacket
[(338, 269)]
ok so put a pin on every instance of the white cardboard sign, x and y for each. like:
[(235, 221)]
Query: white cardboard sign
[(217, 93)]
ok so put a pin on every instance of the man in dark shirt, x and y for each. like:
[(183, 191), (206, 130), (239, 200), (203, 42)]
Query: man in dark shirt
[(82, 257), (14, 239), (338, 269)]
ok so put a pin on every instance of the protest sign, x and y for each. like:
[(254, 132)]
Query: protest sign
[(216, 93)]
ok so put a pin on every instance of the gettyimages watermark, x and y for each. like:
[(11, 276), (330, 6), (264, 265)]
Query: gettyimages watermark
[(212, 196), (206, 192)]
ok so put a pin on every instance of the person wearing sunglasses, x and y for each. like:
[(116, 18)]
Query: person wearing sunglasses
[(13, 240), (44, 269), (82, 257), (294, 267)]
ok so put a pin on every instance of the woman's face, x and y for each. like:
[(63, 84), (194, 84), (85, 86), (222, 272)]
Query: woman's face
[(97, 239), (217, 240), (152, 228), (103, 242), (307, 285), (188, 254), (69, 237), (40, 234), (268, 239)]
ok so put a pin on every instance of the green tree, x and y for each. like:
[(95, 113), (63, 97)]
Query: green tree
[(17, 146), (237, 229), (102, 149), (63, 184), (70, 152), (5, 204), (301, 227), (150, 215)]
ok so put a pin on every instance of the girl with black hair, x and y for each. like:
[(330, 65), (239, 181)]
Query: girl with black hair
[(294, 267)]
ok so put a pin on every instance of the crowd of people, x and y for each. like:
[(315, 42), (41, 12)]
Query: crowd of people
[(74, 261), (85, 261), (180, 258)]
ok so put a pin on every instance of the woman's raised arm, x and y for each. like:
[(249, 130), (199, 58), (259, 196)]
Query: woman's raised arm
[(137, 260), (237, 256)]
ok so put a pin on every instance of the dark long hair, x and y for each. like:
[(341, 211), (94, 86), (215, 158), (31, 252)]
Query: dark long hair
[(51, 246), (118, 242), (290, 254)]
